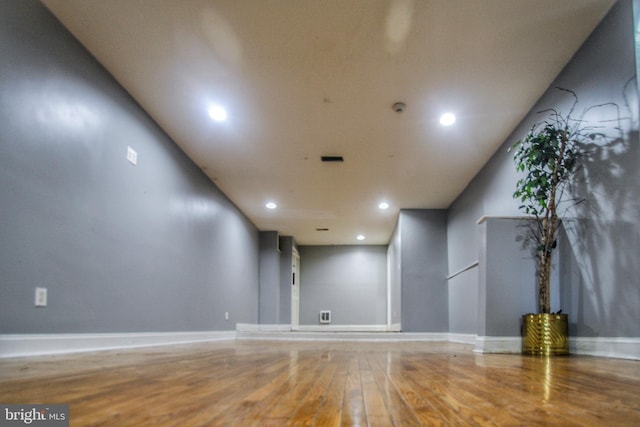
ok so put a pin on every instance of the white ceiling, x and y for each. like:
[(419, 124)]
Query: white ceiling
[(305, 78)]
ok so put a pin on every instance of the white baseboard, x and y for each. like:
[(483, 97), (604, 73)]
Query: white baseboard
[(498, 345), (342, 336), (423, 336), (395, 327), (20, 345), (463, 338), (343, 328), (252, 327), (374, 333), (620, 348)]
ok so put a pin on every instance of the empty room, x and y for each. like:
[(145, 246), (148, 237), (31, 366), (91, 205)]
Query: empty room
[(319, 212)]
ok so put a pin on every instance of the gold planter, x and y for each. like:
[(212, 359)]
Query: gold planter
[(545, 334)]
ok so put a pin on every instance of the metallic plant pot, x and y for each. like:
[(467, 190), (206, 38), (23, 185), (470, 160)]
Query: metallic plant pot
[(545, 334)]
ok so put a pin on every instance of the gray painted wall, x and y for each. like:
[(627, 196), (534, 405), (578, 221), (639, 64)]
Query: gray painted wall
[(423, 255), (636, 27), (275, 278), (269, 278), (287, 244), (507, 277), (351, 281), (463, 250), (121, 248), (394, 265), (599, 281), (463, 302)]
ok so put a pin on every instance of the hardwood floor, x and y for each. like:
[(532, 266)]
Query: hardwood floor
[(269, 383)]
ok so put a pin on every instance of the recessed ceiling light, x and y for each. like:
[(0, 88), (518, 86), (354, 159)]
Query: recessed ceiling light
[(447, 119), (271, 205), (360, 237), (218, 113), (383, 205)]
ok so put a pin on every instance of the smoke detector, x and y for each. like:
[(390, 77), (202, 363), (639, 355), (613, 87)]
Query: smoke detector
[(399, 107)]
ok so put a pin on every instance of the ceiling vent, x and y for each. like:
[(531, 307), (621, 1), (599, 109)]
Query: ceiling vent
[(332, 158)]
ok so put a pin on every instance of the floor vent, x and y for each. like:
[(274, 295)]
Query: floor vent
[(325, 316)]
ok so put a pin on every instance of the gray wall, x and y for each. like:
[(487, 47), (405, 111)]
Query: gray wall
[(275, 278), (394, 266), (507, 277), (351, 281), (463, 302), (636, 26), (287, 243), (121, 248), (423, 259), (462, 252), (599, 279), (269, 278)]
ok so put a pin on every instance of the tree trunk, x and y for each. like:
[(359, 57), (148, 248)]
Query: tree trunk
[(548, 232), (544, 271)]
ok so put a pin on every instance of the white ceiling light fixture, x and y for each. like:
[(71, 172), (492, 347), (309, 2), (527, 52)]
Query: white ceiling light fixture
[(447, 119), (217, 113), (383, 205), (271, 205), (360, 237)]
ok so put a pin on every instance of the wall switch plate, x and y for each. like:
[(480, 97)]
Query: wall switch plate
[(132, 156), (41, 297), (226, 315)]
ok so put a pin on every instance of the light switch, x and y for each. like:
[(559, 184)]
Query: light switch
[(132, 156), (41, 297)]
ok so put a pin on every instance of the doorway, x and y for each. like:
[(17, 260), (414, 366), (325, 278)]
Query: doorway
[(295, 290)]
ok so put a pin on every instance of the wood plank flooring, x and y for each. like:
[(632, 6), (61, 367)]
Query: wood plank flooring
[(279, 383)]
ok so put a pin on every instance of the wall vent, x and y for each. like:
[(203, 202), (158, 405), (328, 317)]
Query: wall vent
[(332, 158), (325, 316)]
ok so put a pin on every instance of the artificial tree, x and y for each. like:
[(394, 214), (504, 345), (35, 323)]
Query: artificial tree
[(548, 157)]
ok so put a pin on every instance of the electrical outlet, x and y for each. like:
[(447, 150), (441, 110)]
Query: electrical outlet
[(226, 315), (41, 297), (132, 156)]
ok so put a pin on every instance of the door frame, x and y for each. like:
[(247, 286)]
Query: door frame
[(295, 290)]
